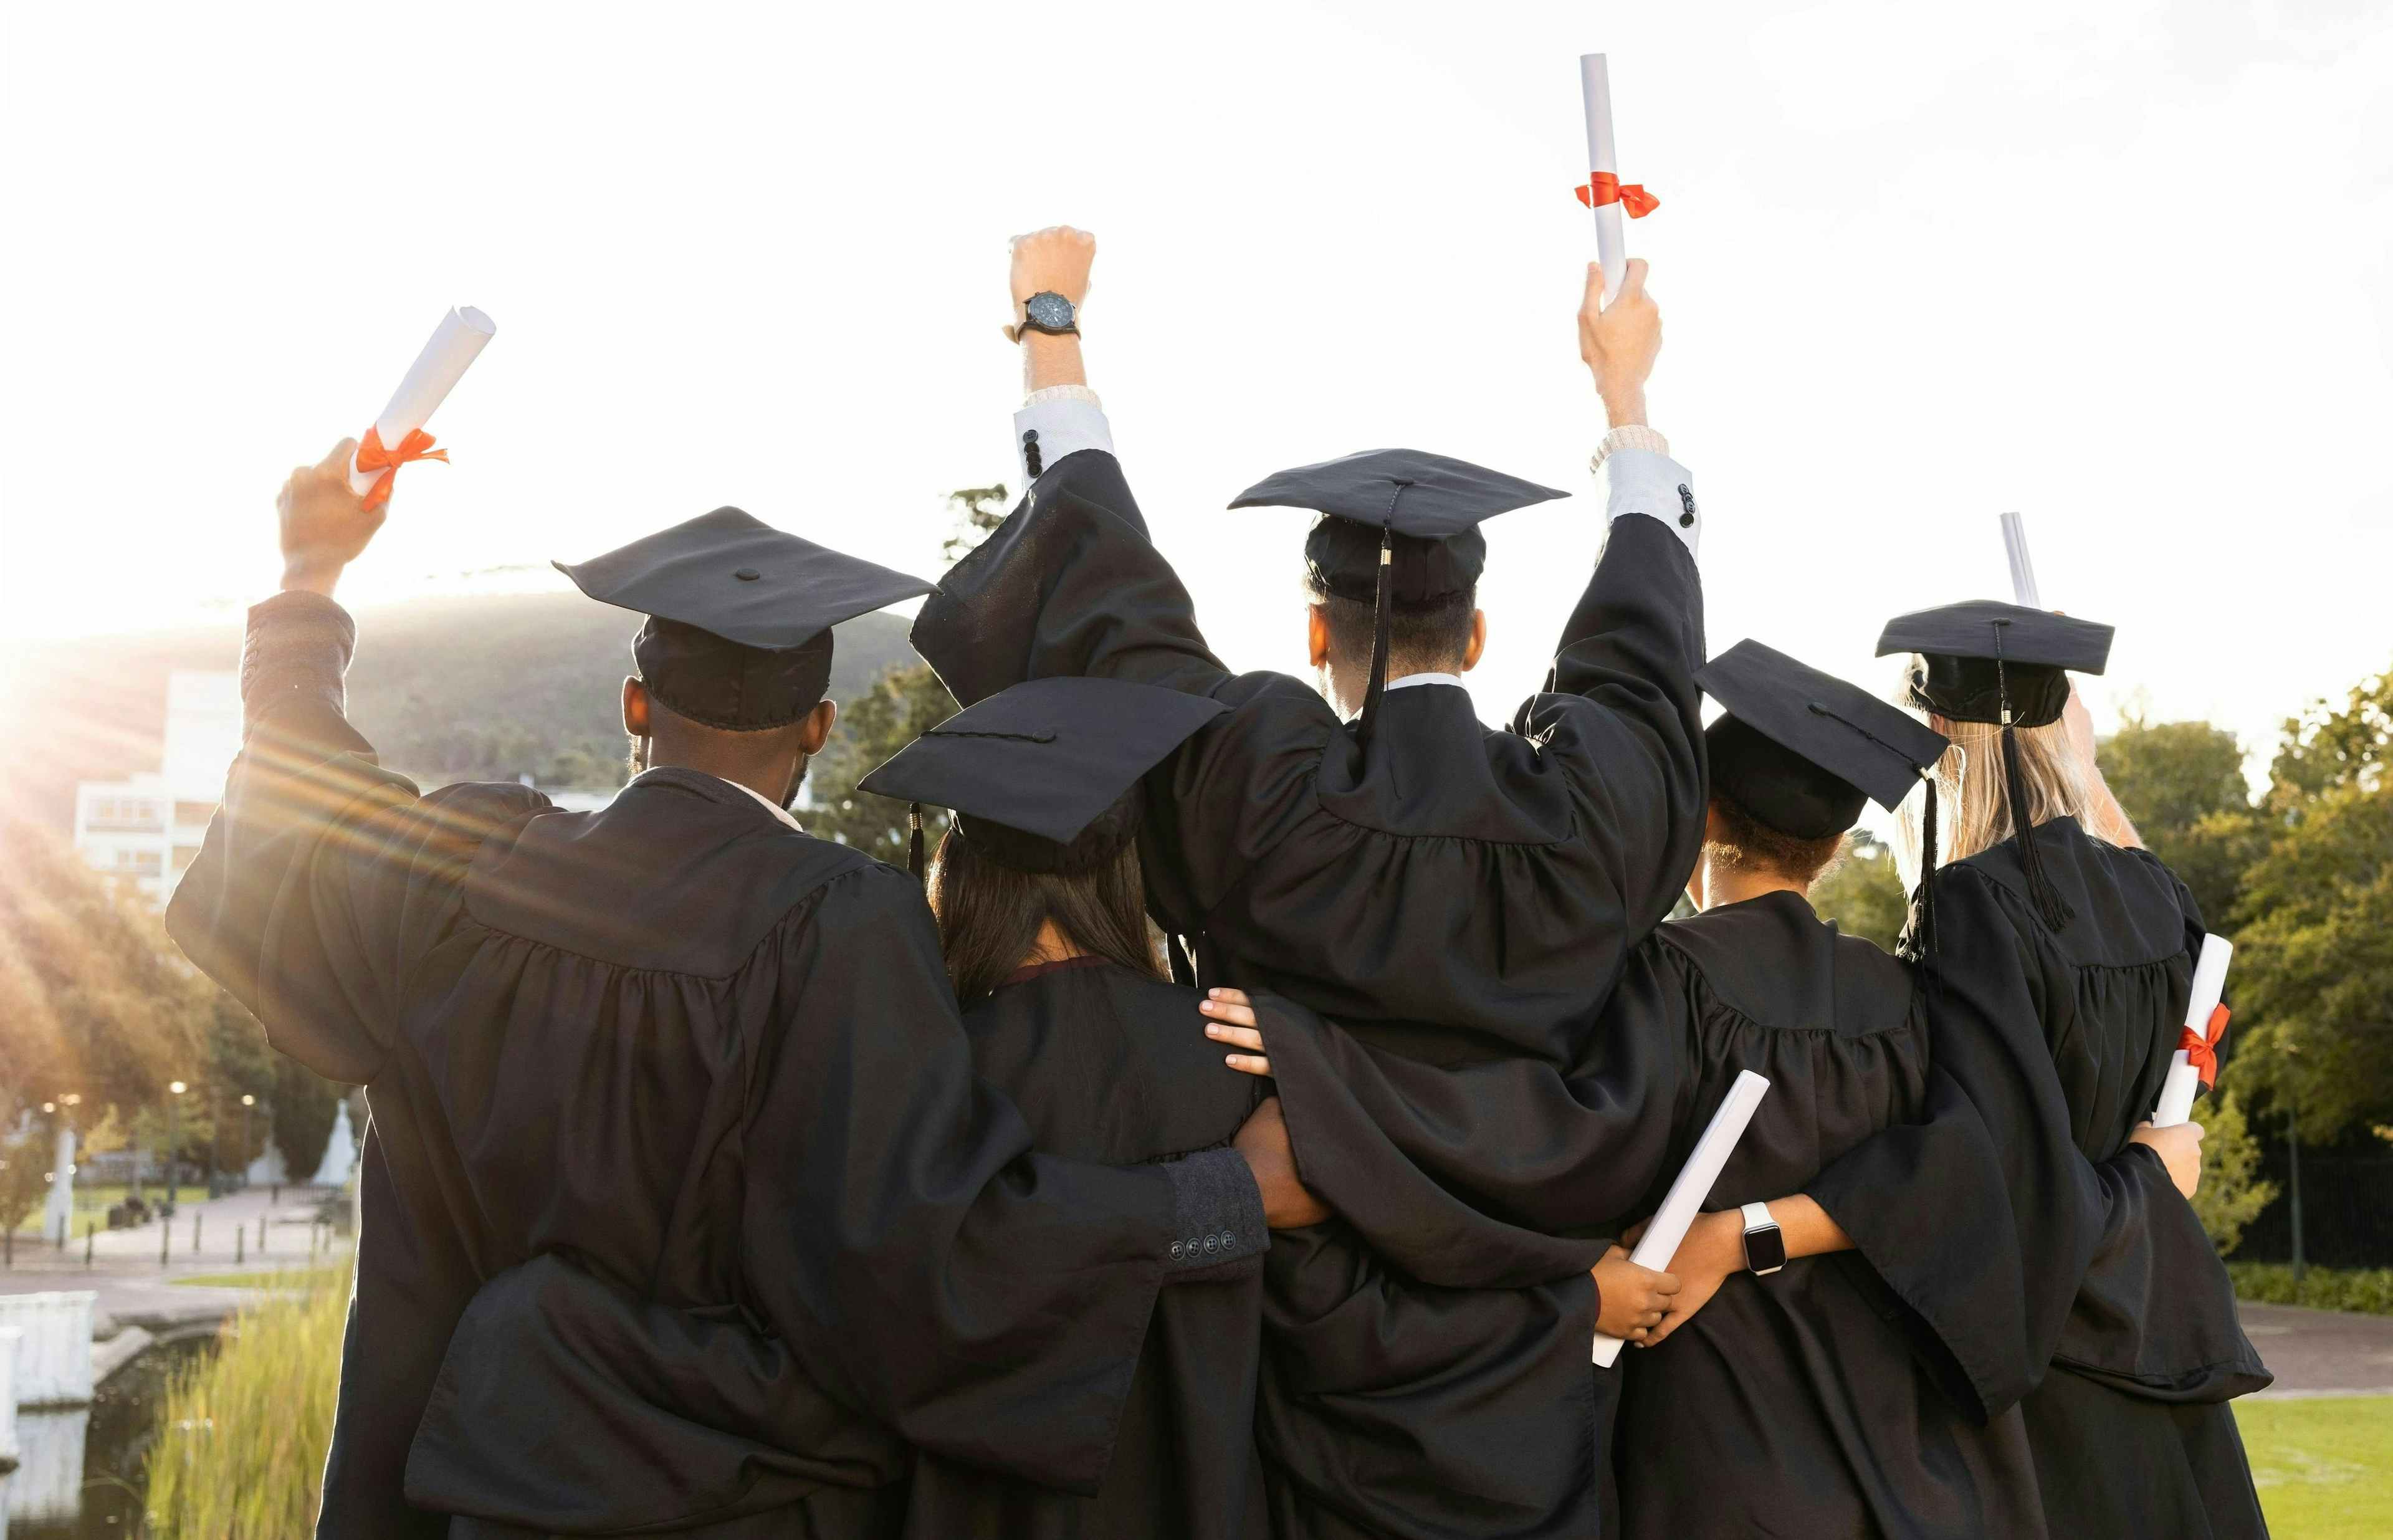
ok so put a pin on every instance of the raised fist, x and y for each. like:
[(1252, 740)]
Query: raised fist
[(1053, 260)]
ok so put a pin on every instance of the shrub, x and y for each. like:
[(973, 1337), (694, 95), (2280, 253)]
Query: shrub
[(241, 1449), (2366, 1289)]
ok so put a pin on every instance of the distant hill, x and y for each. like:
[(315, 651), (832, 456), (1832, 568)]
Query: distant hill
[(456, 687)]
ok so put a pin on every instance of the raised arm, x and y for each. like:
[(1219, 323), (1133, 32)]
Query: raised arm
[(291, 903), (1070, 584), (1620, 712)]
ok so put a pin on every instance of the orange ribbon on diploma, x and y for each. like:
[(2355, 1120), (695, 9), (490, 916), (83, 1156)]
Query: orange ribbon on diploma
[(373, 458), (1602, 187), (2202, 1047)]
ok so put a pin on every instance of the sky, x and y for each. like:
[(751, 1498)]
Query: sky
[(2122, 269)]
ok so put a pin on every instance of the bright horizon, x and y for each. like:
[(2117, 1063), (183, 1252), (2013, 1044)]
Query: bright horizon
[(2122, 270)]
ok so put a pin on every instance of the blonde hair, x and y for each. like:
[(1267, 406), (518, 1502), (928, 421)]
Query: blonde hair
[(1973, 805)]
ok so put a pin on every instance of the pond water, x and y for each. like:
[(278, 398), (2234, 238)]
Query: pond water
[(85, 1469)]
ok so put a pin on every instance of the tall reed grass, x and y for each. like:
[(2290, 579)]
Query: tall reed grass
[(241, 1453)]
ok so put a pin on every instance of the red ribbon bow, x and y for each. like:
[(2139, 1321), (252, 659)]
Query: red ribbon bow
[(2201, 1051), (371, 456), (1602, 187)]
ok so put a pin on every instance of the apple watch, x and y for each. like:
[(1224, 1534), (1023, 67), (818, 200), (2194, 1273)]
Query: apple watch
[(1765, 1249)]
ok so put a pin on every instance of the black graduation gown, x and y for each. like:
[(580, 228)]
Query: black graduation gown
[(1448, 891), (1790, 1405), (2049, 1047), (714, 1061), (1107, 1065)]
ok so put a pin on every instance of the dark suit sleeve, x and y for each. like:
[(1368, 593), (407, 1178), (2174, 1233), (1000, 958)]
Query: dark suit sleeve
[(1622, 714)]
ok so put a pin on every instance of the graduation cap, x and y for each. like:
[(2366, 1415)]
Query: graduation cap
[(1800, 749), (739, 614), (1988, 661), (1402, 527), (1044, 776)]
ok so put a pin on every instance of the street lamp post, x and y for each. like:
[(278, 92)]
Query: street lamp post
[(175, 1090), (247, 1102)]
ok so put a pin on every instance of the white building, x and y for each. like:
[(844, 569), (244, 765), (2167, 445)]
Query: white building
[(146, 830)]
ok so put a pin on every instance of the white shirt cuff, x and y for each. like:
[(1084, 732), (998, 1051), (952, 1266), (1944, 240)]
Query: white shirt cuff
[(1643, 481), (1053, 423)]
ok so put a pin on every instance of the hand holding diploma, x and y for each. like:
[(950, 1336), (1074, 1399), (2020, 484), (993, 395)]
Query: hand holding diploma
[(2195, 1064), (398, 436), (1668, 1226), (1604, 192)]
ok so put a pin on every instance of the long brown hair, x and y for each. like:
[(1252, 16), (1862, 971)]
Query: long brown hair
[(989, 915)]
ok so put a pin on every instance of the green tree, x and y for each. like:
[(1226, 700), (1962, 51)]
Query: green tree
[(24, 1161), (904, 704), (2232, 1194), (2182, 783), (1863, 892), (2313, 973)]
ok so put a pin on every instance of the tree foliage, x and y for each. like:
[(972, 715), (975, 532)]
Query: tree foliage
[(904, 702), (1863, 892), (2232, 1194), (2182, 784), (2302, 881)]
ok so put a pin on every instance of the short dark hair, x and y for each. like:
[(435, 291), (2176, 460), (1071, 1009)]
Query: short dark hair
[(989, 914), (1424, 633), (1745, 843)]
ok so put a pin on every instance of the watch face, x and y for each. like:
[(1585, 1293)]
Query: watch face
[(1049, 310), (1765, 1249)]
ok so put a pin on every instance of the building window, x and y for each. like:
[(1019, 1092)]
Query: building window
[(122, 813)]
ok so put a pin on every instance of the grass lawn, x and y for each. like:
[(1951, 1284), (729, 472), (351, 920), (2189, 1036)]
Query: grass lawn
[(92, 1204), (2325, 1466), (296, 1277)]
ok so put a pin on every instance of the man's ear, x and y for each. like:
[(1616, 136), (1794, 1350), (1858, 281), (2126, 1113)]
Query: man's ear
[(1316, 635), (1478, 642), (635, 708), (814, 728)]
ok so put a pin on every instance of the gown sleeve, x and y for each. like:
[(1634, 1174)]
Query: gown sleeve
[(1070, 584), (1986, 1218), (910, 1248), (1501, 1174), (1621, 710), (297, 901)]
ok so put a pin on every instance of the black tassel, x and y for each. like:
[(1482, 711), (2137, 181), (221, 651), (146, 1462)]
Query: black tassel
[(2049, 905), (914, 840), (1380, 605), (1924, 897)]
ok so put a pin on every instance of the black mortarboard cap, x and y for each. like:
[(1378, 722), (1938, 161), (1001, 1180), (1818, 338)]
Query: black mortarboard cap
[(1977, 653), (1800, 749), (1401, 526), (1984, 661), (1044, 776), (739, 614)]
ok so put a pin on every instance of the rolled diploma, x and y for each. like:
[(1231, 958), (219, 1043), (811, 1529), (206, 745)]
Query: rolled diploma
[(2209, 983), (2023, 570), (1595, 89), (1694, 1181), (456, 342)]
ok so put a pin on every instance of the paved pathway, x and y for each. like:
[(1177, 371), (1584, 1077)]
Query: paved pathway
[(2322, 1353), (132, 1286)]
